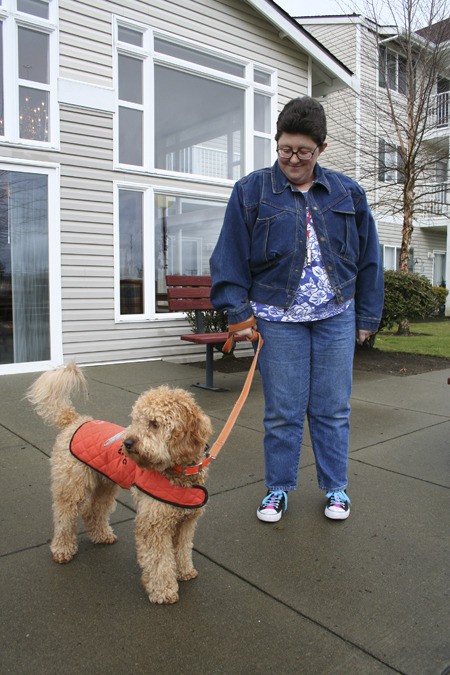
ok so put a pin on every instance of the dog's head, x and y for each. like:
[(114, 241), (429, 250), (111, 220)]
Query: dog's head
[(167, 428)]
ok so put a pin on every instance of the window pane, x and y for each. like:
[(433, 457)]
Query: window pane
[(262, 113), (33, 55), (402, 87), (262, 153), (198, 57), (24, 281), (199, 125), (130, 136), (33, 114), (186, 231), (132, 37), (389, 258), (2, 131), (382, 66), (130, 79), (131, 252), (391, 70), (390, 161), (34, 7), (261, 77)]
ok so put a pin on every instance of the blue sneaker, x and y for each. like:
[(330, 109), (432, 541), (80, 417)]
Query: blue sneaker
[(273, 506), (338, 505)]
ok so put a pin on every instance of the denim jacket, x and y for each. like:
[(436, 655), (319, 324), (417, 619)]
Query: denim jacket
[(261, 248)]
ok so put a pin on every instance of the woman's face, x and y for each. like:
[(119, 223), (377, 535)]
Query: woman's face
[(298, 171)]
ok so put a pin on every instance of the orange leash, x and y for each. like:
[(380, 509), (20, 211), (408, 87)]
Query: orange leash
[(229, 424)]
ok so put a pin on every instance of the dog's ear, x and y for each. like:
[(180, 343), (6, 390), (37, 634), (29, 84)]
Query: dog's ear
[(190, 436)]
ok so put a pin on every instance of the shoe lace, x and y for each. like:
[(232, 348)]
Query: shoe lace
[(338, 498), (273, 499)]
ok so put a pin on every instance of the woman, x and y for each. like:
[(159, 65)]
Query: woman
[(298, 257)]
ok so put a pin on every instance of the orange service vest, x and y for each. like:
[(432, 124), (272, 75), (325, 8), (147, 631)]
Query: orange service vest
[(99, 445)]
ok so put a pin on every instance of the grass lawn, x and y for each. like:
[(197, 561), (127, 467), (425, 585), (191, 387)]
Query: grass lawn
[(431, 338)]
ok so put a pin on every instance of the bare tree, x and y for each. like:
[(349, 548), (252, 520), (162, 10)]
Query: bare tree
[(422, 57), (405, 50)]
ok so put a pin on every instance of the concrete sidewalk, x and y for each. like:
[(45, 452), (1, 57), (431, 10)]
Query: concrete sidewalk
[(306, 595)]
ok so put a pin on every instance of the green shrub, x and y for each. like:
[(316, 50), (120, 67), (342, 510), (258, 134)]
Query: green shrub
[(213, 321), (407, 297), (441, 296)]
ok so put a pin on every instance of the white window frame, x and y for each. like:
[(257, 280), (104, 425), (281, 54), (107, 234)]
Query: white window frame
[(389, 169), (151, 58), (11, 20), (148, 216), (396, 250), (54, 269), (438, 252), (393, 87), (148, 253)]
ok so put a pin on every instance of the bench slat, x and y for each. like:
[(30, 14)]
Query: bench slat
[(207, 338), (189, 292), (188, 305), (183, 280)]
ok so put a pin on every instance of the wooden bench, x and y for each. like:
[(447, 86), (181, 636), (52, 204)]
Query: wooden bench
[(191, 294)]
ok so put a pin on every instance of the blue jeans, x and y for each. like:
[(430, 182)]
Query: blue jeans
[(306, 369)]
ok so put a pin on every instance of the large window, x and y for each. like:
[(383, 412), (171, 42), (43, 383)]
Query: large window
[(2, 109), (392, 70), (28, 70), (181, 242), (184, 109)]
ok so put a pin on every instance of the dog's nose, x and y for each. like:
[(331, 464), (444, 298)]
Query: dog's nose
[(128, 443)]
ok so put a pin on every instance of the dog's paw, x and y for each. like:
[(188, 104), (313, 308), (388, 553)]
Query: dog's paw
[(186, 576), (62, 558), (106, 538), (164, 598)]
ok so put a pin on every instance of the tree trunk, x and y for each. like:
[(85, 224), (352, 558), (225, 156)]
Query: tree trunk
[(404, 328)]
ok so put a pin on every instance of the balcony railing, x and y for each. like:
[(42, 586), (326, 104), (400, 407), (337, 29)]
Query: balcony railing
[(439, 113), (436, 199)]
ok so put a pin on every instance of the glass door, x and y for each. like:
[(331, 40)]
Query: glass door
[(24, 268)]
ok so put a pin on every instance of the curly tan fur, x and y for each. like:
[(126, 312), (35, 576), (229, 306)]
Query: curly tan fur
[(167, 428)]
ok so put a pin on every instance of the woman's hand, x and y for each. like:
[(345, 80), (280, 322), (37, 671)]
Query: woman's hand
[(362, 335), (245, 332)]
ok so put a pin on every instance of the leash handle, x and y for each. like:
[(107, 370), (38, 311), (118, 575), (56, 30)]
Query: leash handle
[(229, 424), (231, 339)]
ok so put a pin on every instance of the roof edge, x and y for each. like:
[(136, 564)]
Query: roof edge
[(291, 29)]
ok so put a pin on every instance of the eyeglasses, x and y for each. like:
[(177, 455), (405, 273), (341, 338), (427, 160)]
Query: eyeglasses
[(301, 153)]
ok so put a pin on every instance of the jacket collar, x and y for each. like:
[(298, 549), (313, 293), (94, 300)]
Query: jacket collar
[(280, 182)]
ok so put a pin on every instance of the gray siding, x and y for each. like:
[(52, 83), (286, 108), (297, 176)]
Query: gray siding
[(90, 333)]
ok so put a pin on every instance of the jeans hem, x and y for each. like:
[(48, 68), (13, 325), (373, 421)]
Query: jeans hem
[(282, 489), (333, 489)]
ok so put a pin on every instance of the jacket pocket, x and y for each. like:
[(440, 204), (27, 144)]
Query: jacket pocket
[(274, 237), (342, 229)]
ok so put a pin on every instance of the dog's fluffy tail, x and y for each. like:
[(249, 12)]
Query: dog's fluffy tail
[(50, 395)]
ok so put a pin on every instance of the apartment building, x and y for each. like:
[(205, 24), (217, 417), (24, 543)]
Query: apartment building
[(123, 126), (363, 141)]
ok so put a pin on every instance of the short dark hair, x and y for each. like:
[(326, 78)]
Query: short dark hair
[(303, 115)]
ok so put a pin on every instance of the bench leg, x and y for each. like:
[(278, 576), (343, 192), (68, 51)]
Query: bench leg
[(209, 384)]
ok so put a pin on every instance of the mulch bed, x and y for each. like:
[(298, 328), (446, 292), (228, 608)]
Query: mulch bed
[(368, 360)]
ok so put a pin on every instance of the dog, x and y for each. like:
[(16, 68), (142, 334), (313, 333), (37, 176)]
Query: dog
[(168, 432)]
